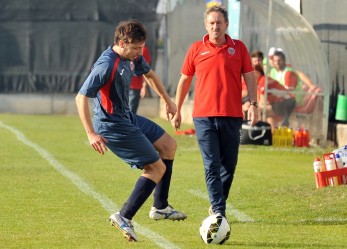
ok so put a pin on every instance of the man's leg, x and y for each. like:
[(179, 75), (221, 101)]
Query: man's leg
[(133, 147), (142, 190), (208, 138), (229, 150), (166, 147), (284, 108)]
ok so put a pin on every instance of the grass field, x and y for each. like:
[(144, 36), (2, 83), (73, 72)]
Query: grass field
[(56, 192)]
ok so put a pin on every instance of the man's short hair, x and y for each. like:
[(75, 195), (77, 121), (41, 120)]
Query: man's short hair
[(130, 31), (217, 8), (257, 54), (280, 54)]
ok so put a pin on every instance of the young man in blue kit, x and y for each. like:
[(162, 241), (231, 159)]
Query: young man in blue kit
[(135, 139)]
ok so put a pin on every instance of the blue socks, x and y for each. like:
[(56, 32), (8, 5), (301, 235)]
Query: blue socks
[(161, 192), (142, 190)]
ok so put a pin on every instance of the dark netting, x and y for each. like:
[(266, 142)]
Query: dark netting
[(49, 46)]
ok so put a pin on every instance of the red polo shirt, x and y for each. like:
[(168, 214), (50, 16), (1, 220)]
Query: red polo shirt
[(218, 76)]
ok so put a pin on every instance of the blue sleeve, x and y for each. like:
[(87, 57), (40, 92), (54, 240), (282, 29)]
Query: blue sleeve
[(95, 80), (141, 66)]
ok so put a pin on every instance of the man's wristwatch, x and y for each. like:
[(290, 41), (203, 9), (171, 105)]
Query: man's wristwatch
[(255, 103)]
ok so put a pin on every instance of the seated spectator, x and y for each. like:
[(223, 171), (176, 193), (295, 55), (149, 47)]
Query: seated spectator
[(308, 85), (286, 76), (268, 62), (257, 58), (279, 102)]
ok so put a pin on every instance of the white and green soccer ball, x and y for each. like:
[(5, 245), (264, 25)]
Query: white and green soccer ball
[(215, 229)]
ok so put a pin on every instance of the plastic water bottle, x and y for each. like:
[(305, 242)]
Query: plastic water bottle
[(275, 137), (305, 138), (318, 165), (330, 164), (290, 137), (298, 138), (283, 136)]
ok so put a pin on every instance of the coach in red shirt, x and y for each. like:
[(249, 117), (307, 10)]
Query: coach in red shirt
[(218, 62)]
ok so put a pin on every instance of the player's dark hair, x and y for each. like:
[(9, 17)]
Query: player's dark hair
[(280, 54), (257, 54), (217, 8), (130, 31)]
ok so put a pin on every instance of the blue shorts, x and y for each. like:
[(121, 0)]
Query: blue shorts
[(132, 139)]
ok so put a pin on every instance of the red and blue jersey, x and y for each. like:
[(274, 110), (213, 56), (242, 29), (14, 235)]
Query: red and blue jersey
[(108, 83)]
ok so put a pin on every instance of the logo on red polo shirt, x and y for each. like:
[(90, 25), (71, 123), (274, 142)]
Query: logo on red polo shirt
[(203, 53), (231, 51)]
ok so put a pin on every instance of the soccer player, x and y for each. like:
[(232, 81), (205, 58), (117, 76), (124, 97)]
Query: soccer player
[(138, 141), (219, 62)]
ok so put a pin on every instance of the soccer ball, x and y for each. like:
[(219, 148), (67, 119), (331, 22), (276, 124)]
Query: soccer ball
[(215, 229)]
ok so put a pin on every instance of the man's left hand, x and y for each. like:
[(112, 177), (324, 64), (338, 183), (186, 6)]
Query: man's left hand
[(252, 115)]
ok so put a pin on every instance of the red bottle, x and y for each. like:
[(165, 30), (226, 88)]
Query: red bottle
[(305, 138), (298, 138)]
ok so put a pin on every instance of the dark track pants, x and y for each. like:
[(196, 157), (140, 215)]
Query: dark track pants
[(219, 139)]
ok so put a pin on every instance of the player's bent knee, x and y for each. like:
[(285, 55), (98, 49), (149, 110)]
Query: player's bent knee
[(155, 171), (166, 146), (172, 145)]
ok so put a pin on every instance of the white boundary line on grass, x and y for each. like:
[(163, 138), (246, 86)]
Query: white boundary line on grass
[(84, 187), (240, 216)]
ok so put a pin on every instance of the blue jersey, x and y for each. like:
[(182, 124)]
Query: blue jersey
[(128, 135), (109, 82)]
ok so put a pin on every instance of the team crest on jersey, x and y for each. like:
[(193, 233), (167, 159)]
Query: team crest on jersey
[(231, 51), (132, 66)]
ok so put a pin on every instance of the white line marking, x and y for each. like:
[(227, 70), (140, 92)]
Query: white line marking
[(106, 203), (230, 210)]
